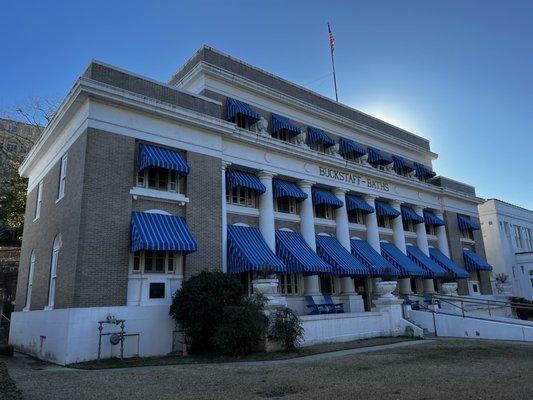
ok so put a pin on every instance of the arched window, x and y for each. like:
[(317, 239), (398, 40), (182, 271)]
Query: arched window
[(53, 271), (30, 281)]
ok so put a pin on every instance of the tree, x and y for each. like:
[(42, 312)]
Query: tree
[(18, 133)]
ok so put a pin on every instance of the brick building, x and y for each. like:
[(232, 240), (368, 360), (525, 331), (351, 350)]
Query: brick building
[(137, 185)]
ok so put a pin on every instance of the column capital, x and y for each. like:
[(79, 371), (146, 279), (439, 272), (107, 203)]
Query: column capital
[(225, 164), (396, 204), (305, 184), (369, 198), (339, 191), (418, 209), (438, 213), (265, 174)]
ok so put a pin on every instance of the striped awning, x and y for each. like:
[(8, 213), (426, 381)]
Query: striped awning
[(283, 124), (385, 210), (376, 157), (151, 231), (432, 219), (370, 258), (423, 261), (466, 223), (357, 203), (401, 165), (323, 196), (155, 156), (238, 107), (298, 257), (235, 178), (407, 268), (287, 189), (446, 263), (248, 251), (315, 136), (349, 148), (408, 214), (473, 262), (344, 264), (423, 172)]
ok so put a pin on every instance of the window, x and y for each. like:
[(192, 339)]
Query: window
[(39, 202), (518, 236), (327, 284), (431, 230), (53, 272), (288, 284), (242, 196), (161, 179), (29, 287), (11, 147), (318, 146), (323, 211), (356, 217), (242, 121), (157, 290), (383, 221), (286, 205), (62, 177), (467, 234), (283, 135), (156, 262), (408, 226)]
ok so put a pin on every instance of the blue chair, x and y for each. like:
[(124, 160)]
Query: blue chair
[(334, 308), (316, 309)]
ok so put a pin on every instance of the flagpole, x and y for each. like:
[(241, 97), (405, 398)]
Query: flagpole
[(331, 47)]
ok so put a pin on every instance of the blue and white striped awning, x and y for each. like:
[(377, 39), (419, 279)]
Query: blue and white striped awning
[(423, 261), (446, 263), (238, 107), (287, 189), (385, 210), (235, 178), (151, 231), (315, 136), (155, 156), (298, 257), (376, 157), (348, 148), (466, 223), (357, 203), (408, 214), (344, 264), (407, 268), (323, 196), (401, 165), (432, 219), (473, 262), (423, 172), (248, 251), (283, 124), (374, 261)]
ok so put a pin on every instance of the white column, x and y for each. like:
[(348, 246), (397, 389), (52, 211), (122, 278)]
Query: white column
[(442, 240), (266, 210), (422, 243), (225, 164), (307, 229), (398, 236), (525, 244), (371, 221), (343, 236)]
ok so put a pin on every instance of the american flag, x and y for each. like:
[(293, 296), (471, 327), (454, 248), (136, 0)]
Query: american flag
[(331, 39)]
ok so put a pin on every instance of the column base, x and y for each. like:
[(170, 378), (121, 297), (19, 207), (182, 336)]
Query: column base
[(405, 286), (312, 286), (428, 286), (352, 302)]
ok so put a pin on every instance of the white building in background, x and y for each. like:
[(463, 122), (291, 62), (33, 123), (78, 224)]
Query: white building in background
[(508, 236)]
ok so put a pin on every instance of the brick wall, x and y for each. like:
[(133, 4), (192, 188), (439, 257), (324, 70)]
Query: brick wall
[(245, 219), (295, 226)]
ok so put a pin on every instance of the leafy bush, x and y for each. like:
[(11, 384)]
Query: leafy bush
[(285, 327), (199, 306), (242, 329)]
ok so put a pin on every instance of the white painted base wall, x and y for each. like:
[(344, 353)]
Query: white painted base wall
[(448, 325), (66, 336)]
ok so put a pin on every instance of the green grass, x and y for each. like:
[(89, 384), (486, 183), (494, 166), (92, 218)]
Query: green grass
[(212, 358)]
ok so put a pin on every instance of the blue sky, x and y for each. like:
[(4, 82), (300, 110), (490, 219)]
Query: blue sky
[(455, 72)]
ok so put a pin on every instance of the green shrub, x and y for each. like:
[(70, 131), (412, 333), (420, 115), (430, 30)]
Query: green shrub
[(285, 327), (242, 329), (198, 307)]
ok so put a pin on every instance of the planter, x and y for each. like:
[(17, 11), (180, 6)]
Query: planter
[(266, 286), (385, 289), (449, 288)]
